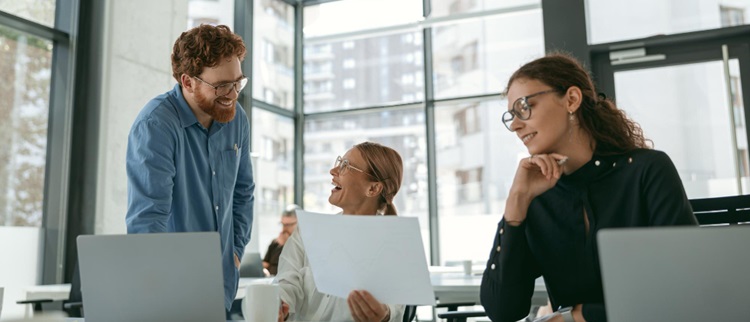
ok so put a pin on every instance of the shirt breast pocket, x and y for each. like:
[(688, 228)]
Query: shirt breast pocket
[(230, 164)]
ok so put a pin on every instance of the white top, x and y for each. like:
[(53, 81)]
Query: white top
[(298, 289)]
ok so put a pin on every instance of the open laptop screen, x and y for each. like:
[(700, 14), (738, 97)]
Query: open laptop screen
[(152, 277), (676, 273)]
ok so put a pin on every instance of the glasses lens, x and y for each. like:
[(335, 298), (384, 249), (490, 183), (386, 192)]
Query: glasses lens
[(341, 164), (522, 109), (337, 163), (508, 119), (224, 89), (241, 84)]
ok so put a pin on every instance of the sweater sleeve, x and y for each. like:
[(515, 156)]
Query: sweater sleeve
[(508, 281), (665, 197)]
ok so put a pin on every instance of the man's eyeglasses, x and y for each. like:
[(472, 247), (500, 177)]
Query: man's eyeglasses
[(291, 224), (521, 109), (224, 88), (343, 164)]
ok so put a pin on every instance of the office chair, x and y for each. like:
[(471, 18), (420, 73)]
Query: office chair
[(734, 210), (251, 265), (410, 312)]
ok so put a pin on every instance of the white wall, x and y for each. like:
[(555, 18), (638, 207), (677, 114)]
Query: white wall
[(20, 249), (139, 35)]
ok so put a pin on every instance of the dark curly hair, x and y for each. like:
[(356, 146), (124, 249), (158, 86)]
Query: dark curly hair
[(204, 46), (612, 131)]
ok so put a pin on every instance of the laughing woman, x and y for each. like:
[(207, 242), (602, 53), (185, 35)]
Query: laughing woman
[(365, 181), (590, 168)]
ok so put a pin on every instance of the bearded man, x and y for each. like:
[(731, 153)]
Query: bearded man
[(188, 163)]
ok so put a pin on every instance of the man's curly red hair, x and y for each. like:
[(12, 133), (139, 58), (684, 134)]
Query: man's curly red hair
[(204, 46)]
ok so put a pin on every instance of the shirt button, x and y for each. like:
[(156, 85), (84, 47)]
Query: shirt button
[(630, 160), (614, 164), (498, 249), (213, 172), (502, 230), (217, 208), (597, 163), (492, 266)]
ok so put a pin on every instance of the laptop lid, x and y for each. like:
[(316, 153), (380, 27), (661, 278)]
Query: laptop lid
[(152, 277), (676, 273)]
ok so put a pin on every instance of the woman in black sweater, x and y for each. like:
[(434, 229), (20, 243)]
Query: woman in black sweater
[(590, 168)]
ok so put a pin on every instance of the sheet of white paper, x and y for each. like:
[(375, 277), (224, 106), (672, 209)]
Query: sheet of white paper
[(381, 254)]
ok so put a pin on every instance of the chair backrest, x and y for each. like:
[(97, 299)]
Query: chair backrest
[(73, 306), (722, 211), (251, 265), (410, 312)]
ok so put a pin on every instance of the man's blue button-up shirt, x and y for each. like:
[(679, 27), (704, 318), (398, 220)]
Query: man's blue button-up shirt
[(183, 177)]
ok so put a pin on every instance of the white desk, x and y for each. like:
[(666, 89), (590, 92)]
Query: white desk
[(55, 292), (60, 292), (448, 287), (458, 287)]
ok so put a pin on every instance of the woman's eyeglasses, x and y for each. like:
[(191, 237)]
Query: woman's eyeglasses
[(343, 164), (521, 109)]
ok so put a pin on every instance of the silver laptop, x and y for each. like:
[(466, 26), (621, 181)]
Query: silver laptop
[(152, 277), (676, 273)]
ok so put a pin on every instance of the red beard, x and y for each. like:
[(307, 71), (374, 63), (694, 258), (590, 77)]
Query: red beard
[(218, 112)]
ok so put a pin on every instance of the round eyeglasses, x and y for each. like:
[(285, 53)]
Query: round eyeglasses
[(343, 164), (521, 109), (224, 88)]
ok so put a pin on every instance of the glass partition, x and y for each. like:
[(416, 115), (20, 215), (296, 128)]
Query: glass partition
[(615, 20)]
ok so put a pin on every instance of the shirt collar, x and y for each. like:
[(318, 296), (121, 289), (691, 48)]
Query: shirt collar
[(187, 117)]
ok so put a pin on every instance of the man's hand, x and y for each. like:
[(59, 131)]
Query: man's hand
[(236, 261)]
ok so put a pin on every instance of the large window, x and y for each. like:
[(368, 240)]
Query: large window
[(273, 167), (476, 160), (616, 20), (273, 53), (454, 7), (363, 72), (474, 58), (25, 81), (39, 11), (375, 67), (354, 61), (354, 15)]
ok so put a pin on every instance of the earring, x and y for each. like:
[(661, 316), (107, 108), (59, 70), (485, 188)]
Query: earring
[(571, 117)]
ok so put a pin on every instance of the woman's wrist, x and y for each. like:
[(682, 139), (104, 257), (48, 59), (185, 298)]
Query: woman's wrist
[(515, 208), (387, 316)]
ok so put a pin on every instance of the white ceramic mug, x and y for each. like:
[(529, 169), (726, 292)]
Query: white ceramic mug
[(261, 303), (468, 267)]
